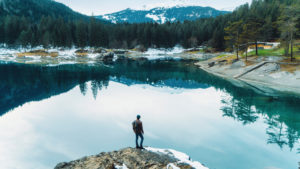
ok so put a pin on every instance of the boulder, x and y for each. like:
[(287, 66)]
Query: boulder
[(120, 52), (100, 50), (108, 57), (211, 64), (81, 51), (222, 62), (131, 158)]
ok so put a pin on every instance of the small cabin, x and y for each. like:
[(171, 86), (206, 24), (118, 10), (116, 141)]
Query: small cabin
[(263, 45)]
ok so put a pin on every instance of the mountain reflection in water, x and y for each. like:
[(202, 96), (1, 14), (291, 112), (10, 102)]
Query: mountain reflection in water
[(22, 83)]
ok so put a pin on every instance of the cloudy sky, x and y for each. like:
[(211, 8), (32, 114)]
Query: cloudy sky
[(99, 7)]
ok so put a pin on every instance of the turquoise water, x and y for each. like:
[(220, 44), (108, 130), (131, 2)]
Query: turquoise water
[(55, 114)]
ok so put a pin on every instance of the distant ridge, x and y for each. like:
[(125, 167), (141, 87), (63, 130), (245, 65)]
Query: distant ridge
[(35, 9)]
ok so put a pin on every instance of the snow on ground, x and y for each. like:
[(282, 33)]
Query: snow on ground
[(65, 55), (173, 166), (182, 157), (121, 167), (69, 53), (153, 53), (7, 51)]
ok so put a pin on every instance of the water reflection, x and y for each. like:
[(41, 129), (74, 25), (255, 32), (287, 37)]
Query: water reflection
[(281, 116), (25, 83)]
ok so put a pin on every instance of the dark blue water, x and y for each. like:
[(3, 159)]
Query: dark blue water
[(55, 114)]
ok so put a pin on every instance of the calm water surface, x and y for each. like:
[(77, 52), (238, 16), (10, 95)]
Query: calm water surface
[(55, 114)]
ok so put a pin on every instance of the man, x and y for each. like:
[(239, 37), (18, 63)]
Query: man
[(138, 130)]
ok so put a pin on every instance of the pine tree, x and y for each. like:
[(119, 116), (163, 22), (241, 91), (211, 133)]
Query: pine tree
[(246, 38), (11, 29), (2, 31), (254, 30), (233, 32), (46, 40), (94, 35), (267, 29), (25, 38), (288, 21), (81, 34)]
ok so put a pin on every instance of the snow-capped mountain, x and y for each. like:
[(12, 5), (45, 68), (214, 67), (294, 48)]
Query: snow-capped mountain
[(162, 15)]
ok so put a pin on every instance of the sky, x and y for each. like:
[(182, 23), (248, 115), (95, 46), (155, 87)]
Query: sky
[(100, 7)]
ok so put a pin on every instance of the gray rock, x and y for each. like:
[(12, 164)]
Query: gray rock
[(268, 68), (222, 62), (107, 57), (132, 158), (61, 165), (273, 58), (120, 52), (211, 64), (238, 64), (100, 50), (81, 51)]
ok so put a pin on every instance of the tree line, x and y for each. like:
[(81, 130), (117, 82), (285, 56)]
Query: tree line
[(263, 20), (251, 29)]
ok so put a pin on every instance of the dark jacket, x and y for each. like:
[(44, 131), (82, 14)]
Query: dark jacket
[(138, 127)]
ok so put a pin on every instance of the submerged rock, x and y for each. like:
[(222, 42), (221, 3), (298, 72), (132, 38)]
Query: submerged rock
[(134, 158)]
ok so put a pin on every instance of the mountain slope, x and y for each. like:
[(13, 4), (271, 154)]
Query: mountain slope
[(35, 9), (162, 15)]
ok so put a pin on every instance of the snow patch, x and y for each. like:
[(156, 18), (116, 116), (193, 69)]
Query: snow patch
[(121, 167), (67, 53), (157, 18), (172, 166), (6, 51), (153, 53), (153, 17), (110, 18), (162, 18), (93, 55), (182, 157)]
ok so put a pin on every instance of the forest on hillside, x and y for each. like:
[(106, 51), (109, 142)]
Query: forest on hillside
[(263, 20)]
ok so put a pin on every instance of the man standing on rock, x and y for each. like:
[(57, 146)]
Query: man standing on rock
[(138, 130)]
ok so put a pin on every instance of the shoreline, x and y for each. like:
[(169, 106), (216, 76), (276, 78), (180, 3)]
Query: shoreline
[(268, 79), (89, 55), (260, 82)]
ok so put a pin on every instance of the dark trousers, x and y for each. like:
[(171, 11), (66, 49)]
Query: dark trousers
[(137, 135)]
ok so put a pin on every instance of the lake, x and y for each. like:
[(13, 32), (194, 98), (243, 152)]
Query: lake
[(61, 113)]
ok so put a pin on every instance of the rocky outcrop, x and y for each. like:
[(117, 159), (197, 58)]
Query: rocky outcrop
[(265, 75), (108, 57), (130, 158)]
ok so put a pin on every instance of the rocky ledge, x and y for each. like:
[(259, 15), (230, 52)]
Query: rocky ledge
[(265, 75), (131, 158)]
